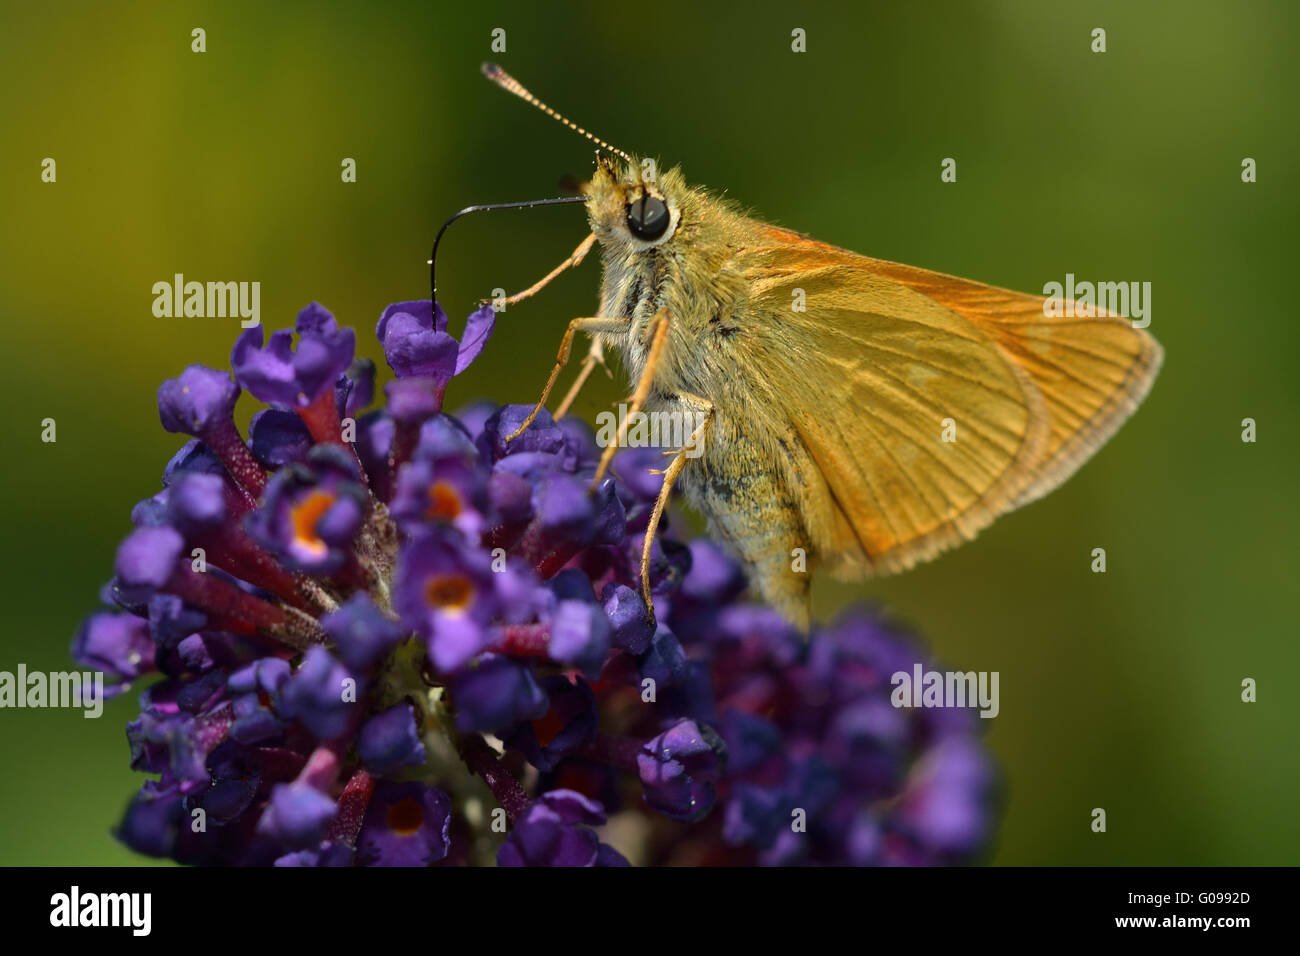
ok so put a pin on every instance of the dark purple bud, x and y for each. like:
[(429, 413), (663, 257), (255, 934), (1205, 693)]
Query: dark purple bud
[(116, 643), (147, 557), (327, 854), (665, 662), (296, 815), (634, 468), (194, 457), (626, 610), (678, 769), (321, 695), (542, 435), (150, 512), (278, 437), (200, 399), (579, 636), (751, 741), (171, 620), (153, 820), (362, 633), (496, 694), (390, 741), (197, 502), (444, 437)]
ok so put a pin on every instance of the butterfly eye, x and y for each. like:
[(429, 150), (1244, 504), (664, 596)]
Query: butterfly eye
[(647, 217)]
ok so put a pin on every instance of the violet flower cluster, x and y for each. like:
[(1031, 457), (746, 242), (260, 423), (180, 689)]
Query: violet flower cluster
[(396, 638)]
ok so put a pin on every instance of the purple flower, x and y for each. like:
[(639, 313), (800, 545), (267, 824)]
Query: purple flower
[(312, 511), (569, 723), (406, 824), (556, 831), (400, 638), (416, 343), (255, 691), (413, 400), (197, 502), (415, 340), (945, 806), (176, 744), (445, 591), (442, 491), (288, 378)]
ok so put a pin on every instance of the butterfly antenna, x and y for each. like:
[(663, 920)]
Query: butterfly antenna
[(508, 83)]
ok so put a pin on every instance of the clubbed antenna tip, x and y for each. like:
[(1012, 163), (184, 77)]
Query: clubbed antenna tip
[(508, 83)]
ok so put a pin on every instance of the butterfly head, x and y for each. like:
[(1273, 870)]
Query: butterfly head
[(630, 208)]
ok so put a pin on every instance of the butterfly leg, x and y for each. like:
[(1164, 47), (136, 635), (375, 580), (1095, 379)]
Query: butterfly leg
[(575, 259), (595, 356), (658, 339), (589, 324), (704, 408)]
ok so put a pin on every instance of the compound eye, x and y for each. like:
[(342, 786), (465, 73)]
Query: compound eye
[(647, 217)]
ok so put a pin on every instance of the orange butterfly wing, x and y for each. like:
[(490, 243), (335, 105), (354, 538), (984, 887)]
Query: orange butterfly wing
[(885, 355)]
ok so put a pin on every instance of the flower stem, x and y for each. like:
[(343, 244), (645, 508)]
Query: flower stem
[(480, 758)]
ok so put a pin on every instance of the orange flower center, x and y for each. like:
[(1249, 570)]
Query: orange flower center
[(444, 502), (405, 817), (450, 592), (305, 514)]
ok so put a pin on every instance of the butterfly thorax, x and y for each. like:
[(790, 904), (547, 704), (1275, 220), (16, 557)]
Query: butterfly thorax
[(691, 272), (700, 275)]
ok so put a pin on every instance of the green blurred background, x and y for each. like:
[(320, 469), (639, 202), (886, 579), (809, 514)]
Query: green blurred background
[(1119, 690)]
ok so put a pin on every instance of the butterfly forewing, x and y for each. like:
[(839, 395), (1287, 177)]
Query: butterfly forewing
[(928, 405)]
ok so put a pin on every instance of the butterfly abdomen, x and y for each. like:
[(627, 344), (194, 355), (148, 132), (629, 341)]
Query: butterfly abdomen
[(753, 510)]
